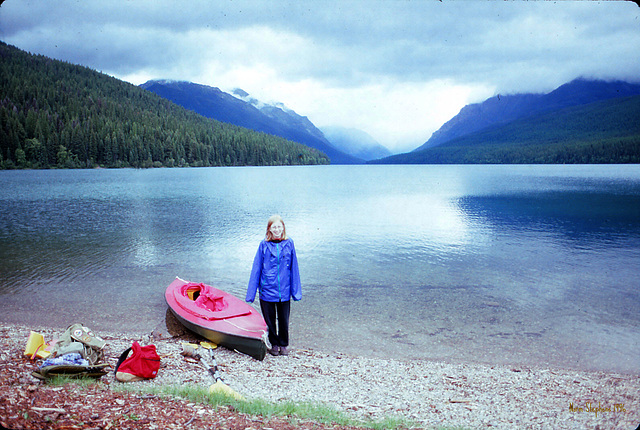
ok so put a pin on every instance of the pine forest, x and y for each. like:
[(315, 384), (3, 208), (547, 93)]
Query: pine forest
[(59, 115)]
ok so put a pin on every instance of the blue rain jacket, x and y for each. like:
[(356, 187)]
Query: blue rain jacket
[(275, 273)]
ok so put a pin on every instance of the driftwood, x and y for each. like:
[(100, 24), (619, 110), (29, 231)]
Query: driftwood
[(62, 411)]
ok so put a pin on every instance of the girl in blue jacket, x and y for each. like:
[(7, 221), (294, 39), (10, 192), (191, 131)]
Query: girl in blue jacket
[(275, 274)]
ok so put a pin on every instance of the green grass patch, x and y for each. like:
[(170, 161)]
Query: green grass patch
[(293, 411), (61, 380)]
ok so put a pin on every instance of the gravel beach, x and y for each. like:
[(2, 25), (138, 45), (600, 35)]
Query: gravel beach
[(432, 394)]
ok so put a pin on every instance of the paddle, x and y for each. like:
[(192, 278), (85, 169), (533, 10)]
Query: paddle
[(218, 386)]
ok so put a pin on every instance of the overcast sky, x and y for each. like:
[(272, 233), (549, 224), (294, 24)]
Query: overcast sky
[(395, 69)]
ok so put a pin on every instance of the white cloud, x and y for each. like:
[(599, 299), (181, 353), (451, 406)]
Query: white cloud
[(380, 108), (395, 69)]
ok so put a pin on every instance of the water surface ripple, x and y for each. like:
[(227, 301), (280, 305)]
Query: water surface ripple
[(532, 265)]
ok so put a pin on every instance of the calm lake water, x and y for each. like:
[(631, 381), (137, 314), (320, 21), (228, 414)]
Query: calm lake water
[(523, 265)]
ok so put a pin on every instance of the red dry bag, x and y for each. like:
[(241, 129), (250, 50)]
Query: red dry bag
[(143, 363)]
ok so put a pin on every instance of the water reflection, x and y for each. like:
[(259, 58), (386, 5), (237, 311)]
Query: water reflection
[(496, 263), (591, 218)]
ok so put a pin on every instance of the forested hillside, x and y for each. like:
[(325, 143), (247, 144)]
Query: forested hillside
[(596, 133), (55, 114), (244, 111), (503, 109)]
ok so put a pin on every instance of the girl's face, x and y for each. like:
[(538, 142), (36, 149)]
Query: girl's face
[(276, 229)]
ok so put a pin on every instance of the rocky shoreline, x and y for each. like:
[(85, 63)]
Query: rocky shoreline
[(429, 393)]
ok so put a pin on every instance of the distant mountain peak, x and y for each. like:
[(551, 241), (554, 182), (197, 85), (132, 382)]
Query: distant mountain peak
[(502, 109), (355, 142), (162, 82), (246, 97), (240, 108), (240, 92)]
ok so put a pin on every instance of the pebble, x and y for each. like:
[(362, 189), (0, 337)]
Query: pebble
[(429, 393)]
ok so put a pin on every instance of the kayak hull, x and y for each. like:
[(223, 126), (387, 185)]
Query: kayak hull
[(239, 327)]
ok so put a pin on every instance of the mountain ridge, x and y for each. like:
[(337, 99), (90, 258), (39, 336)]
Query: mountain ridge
[(502, 109), (606, 131), (242, 110), (55, 114), (355, 142)]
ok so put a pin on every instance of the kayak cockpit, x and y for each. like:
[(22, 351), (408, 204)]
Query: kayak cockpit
[(206, 302)]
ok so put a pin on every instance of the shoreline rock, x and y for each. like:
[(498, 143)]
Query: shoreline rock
[(430, 393)]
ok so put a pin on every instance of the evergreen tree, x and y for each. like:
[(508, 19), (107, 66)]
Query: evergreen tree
[(55, 114)]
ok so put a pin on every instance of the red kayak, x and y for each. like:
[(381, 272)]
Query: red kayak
[(218, 316)]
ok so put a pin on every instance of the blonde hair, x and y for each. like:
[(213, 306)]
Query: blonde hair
[(274, 218)]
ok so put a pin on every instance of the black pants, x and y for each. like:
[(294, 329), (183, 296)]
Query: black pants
[(276, 315)]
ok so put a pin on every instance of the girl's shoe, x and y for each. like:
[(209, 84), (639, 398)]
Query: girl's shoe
[(275, 350), (283, 350)]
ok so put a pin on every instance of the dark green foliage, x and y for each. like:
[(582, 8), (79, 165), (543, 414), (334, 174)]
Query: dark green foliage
[(55, 114), (597, 133)]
